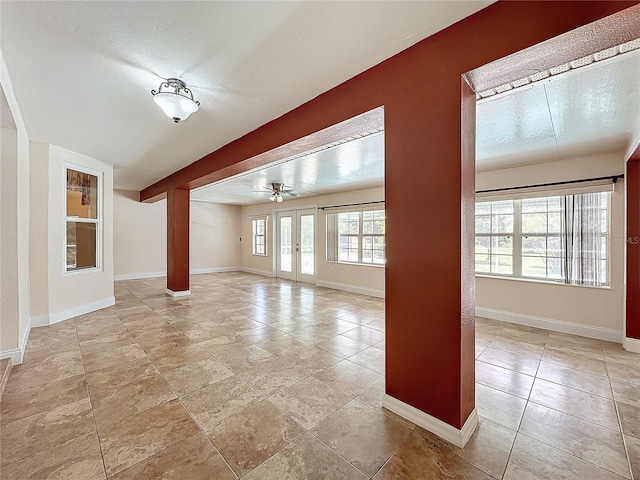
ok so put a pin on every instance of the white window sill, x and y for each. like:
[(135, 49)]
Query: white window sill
[(546, 282), (82, 271)]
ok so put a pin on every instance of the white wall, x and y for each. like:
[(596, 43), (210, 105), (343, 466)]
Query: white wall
[(15, 227), (360, 278), (39, 228), (214, 237), (72, 294), (141, 237), (596, 312), (9, 293)]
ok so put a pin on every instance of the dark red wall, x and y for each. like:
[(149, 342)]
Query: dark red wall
[(429, 175), (632, 182)]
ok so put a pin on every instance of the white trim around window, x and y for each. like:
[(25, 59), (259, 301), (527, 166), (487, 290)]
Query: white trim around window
[(356, 237), (259, 235), (97, 221)]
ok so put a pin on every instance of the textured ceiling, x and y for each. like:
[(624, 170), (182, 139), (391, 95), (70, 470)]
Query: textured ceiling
[(590, 110), (354, 165), (82, 71)]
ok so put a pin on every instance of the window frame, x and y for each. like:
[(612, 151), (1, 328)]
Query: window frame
[(545, 235), (518, 252), (255, 235), (98, 221), (491, 235), (360, 238)]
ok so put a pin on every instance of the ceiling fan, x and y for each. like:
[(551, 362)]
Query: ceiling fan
[(278, 190)]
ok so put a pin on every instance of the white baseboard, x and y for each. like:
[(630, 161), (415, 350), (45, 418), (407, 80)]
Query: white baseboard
[(351, 288), (138, 276), (451, 434), (80, 310), (598, 333), (194, 271), (264, 273), (40, 321), (198, 271), (17, 354), (631, 344), (183, 293)]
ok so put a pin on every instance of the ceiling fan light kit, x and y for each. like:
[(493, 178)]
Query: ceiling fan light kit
[(278, 191), (175, 99)]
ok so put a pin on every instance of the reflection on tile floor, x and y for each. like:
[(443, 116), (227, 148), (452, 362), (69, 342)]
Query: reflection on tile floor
[(262, 378)]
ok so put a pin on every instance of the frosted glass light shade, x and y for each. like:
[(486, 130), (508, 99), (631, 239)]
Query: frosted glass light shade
[(175, 106)]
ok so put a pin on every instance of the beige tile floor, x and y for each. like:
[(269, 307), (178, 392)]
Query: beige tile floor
[(266, 379)]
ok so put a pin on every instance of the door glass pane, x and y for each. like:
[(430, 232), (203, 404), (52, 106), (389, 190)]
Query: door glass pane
[(285, 244), (307, 254)]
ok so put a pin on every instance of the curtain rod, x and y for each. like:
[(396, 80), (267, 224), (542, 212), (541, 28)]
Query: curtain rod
[(350, 205), (568, 182)]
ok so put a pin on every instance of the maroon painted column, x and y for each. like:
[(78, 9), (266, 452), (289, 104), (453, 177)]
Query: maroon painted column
[(430, 283), (632, 183), (178, 242)]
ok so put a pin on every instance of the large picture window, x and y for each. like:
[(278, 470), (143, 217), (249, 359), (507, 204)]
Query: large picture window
[(356, 237), (83, 229), (560, 238)]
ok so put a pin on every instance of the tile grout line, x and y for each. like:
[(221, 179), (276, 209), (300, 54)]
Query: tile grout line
[(93, 416), (615, 405), (568, 414), (528, 400), (177, 397)]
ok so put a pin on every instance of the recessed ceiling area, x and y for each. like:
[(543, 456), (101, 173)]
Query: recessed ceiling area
[(593, 109), (590, 110), (353, 165)]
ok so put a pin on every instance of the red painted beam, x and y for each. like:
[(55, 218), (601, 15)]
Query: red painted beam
[(632, 181), (178, 240), (428, 180)]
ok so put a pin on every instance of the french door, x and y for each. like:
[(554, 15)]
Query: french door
[(295, 245)]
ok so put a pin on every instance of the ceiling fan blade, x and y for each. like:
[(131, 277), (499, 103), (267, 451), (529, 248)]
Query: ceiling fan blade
[(291, 193)]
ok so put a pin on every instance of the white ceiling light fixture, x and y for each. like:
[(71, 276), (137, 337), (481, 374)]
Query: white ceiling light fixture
[(175, 99)]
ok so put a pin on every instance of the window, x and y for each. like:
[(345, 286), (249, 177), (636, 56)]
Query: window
[(356, 237), (494, 237), (259, 236), (560, 238), (83, 229), (541, 237)]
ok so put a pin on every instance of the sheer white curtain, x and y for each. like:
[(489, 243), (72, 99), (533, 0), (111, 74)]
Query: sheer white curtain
[(332, 237), (584, 224)]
